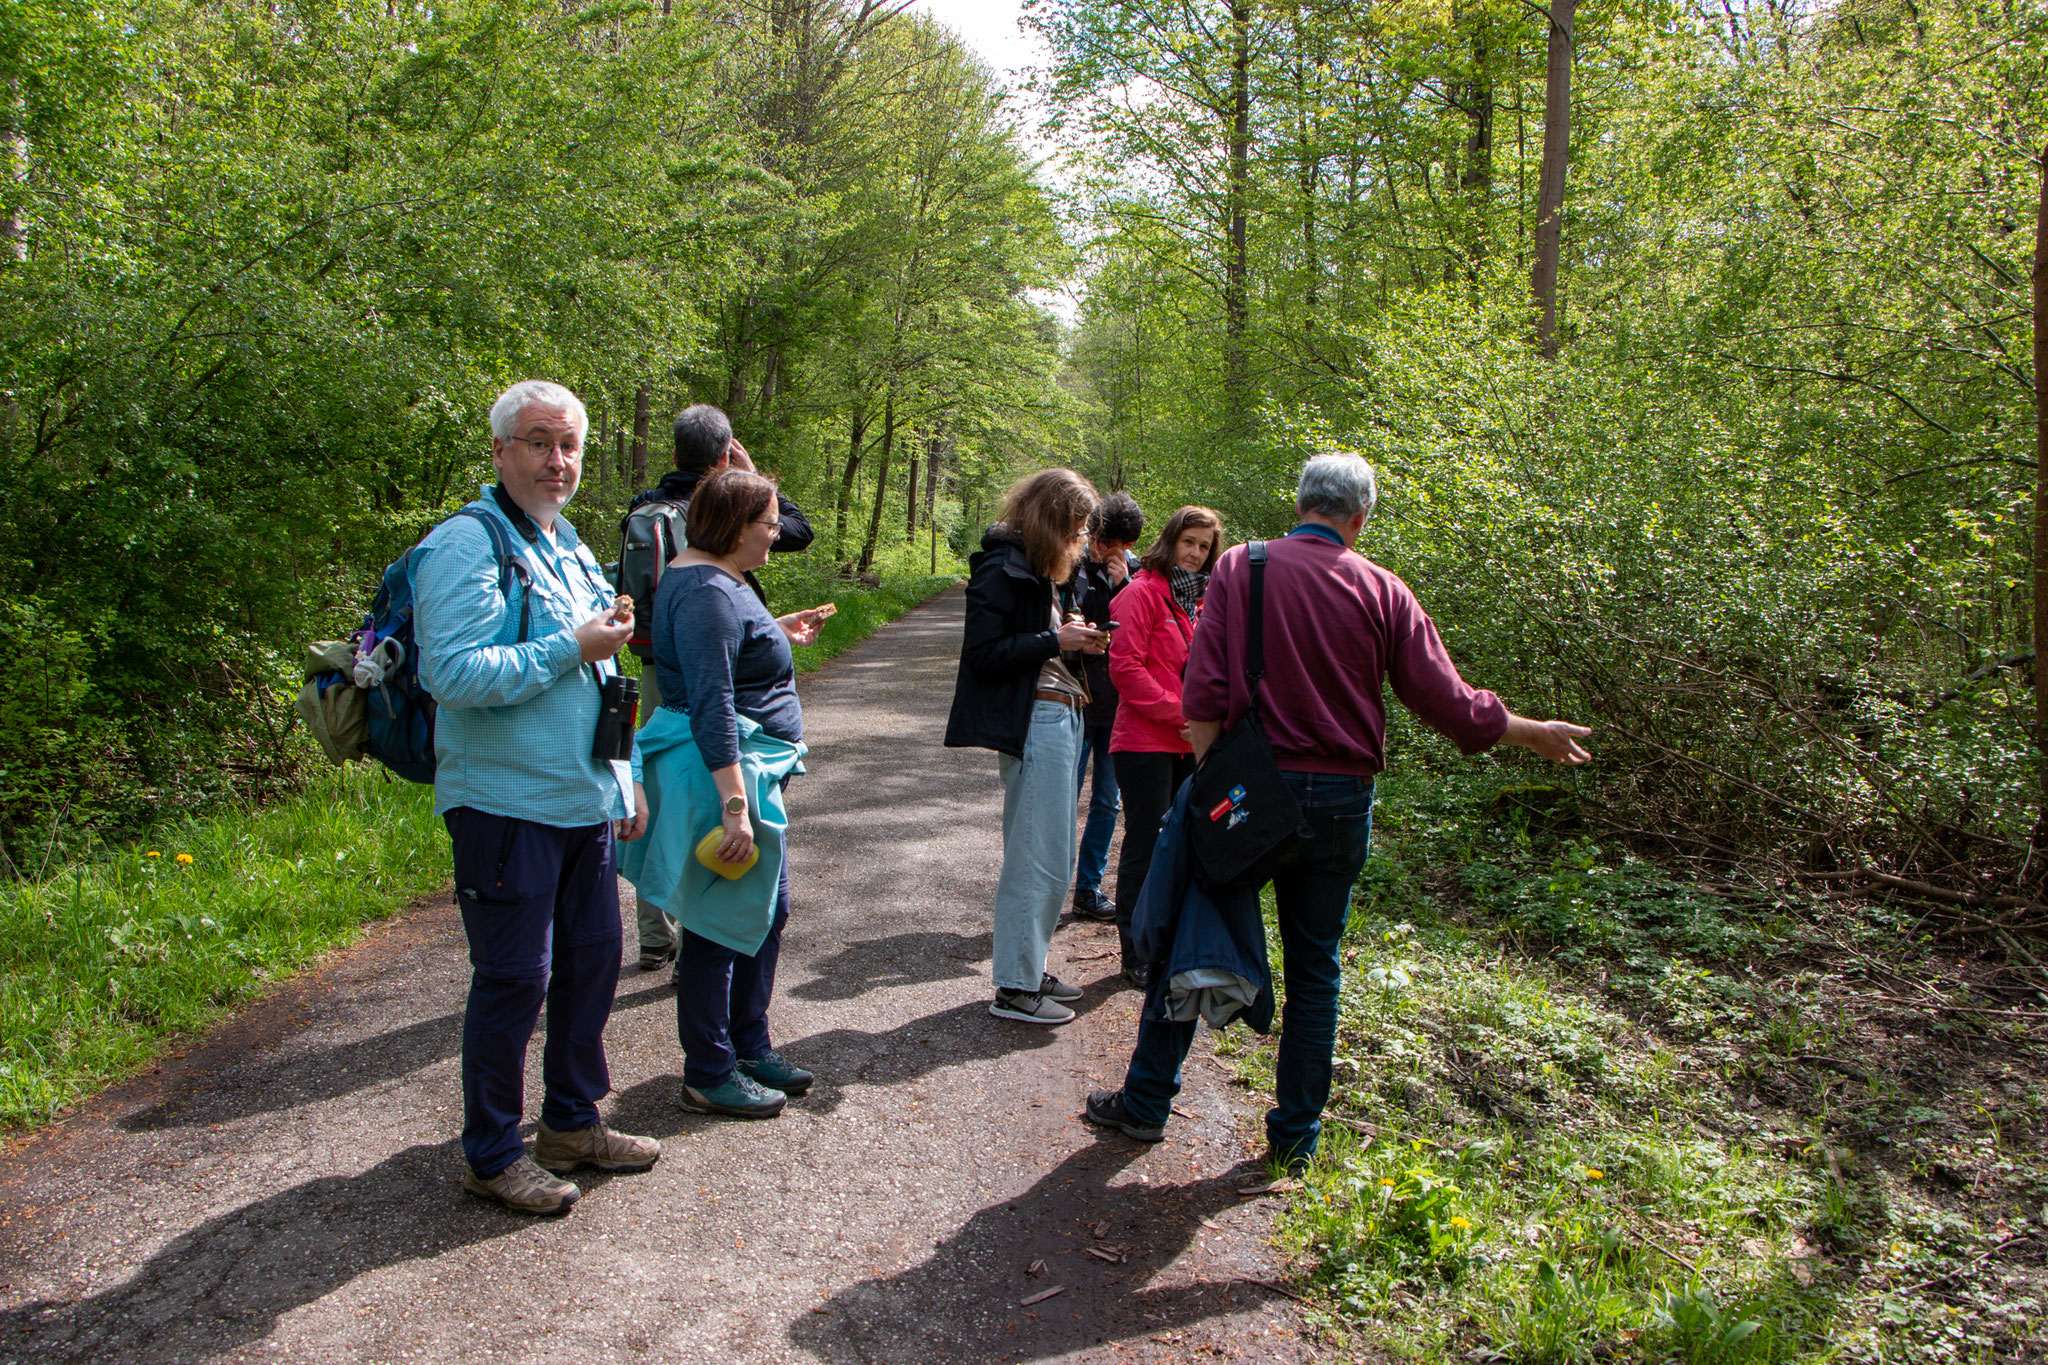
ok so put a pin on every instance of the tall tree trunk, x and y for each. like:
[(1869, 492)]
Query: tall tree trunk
[(14, 166), (2041, 495), (910, 496), (1236, 304), (855, 440), (1476, 182), (867, 551), (1557, 139), (931, 493), (640, 438)]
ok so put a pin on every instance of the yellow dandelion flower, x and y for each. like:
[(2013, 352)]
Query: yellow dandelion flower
[(1594, 1173), (1462, 1224), (1387, 1181), (185, 858), (152, 854)]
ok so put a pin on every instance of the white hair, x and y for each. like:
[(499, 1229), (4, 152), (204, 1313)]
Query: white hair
[(1336, 484), (512, 404)]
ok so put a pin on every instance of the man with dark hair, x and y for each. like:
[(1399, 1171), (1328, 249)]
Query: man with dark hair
[(1113, 528), (703, 443)]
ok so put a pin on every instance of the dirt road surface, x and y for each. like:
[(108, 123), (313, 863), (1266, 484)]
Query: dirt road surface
[(287, 1188)]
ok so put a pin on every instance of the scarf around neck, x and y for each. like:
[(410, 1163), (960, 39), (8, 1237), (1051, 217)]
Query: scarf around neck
[(1187, 587)]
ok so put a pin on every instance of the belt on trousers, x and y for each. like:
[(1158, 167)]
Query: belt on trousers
[(1063, 698)]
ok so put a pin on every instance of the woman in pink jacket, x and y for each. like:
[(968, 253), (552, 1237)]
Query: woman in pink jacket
[(1156, 618)]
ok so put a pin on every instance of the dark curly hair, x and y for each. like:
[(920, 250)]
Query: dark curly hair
[(1118, 519)]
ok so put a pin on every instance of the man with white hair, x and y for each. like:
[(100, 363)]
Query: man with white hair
[(517, 664), (1336, 626)]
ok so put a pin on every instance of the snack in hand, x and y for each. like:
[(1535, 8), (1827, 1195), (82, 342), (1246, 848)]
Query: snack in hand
[(622, 608)]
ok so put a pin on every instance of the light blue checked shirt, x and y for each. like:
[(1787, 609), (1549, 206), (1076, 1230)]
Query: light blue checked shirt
[(516, 721)]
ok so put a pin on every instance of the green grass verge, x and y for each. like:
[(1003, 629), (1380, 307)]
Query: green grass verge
[(103, 960), (100, 962), (861, 611), (1545, 1141)]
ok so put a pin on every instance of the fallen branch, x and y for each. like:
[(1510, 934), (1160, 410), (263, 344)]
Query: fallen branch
[(1960, 1267), (1268, 1284)]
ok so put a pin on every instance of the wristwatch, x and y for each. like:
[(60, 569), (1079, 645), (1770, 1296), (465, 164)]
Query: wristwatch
[(735, 805)]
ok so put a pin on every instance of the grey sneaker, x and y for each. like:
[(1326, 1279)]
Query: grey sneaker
[(596, 1146), (1030, 1007), (1058, 989), (524, 1186)]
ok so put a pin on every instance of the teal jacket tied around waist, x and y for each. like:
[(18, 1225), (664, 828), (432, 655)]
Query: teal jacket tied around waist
[(683, 806)]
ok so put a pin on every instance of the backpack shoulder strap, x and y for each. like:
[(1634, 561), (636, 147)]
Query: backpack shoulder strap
[(509, 565), (1255, 620)]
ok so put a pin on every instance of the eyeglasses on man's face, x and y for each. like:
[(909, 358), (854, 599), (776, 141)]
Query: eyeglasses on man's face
[(570, 447)]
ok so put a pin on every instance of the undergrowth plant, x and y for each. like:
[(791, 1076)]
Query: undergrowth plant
[(1539, 1146)]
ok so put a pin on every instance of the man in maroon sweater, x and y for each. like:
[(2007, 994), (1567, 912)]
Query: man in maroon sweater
[(1336, 626)]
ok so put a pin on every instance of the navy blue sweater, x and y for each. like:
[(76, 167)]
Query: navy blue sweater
[(717, 651)]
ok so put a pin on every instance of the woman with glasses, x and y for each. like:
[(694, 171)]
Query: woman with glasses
[(727, 739), (1020, 692), (1150, 743)]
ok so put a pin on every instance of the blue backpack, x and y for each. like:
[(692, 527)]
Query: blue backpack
[(400, 710)]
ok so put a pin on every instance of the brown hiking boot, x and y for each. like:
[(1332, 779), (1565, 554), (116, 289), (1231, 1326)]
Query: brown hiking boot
[(596, 1146), (525, 1187)]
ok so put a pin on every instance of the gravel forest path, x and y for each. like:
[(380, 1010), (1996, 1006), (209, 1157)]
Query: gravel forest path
[(286, 1188)]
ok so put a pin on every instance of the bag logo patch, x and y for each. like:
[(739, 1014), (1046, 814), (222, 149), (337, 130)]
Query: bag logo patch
[(1232, 806)]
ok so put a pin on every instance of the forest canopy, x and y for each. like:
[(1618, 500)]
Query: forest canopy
[(266, 267), (1760, 512), (1756, 502)]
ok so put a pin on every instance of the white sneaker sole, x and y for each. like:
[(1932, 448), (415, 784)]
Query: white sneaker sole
[(1065, 1016)]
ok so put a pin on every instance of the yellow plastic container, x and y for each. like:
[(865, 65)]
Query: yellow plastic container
[(707, 854)]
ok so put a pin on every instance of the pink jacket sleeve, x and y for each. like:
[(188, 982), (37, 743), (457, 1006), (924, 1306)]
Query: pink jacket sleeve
[(1205, 690), (1133, 656)]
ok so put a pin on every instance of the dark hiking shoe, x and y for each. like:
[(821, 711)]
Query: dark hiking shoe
[(1106, 1107), (1139, 975), (1058, 989), (1030, 1007), (655, 958), (739, 1095), (1091, 905), (775, 1072), (523, 1186), (596, 1146)]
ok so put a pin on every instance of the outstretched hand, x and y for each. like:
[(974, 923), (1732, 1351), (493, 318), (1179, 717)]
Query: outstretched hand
[(802, 627), (1556, 740)]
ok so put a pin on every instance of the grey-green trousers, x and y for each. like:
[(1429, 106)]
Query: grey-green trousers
[(657, 930)]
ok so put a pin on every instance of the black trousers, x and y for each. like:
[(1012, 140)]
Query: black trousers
[(1147, 782)]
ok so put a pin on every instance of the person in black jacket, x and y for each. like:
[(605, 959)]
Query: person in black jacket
[(1021, 693), (1105, 567), (704, 444)]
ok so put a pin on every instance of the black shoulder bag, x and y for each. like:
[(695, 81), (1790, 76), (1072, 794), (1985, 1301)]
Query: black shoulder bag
[(1244, 822)]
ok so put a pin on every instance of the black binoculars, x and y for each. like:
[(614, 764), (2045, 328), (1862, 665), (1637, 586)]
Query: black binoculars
[(617, 710)]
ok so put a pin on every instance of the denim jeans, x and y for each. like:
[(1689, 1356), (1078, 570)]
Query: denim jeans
[(1102, 808), (540, 907), (1313, 901), (1038, 843)]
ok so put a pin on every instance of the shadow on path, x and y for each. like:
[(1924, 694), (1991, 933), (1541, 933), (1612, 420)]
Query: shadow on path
[(899, 960), (270, 1086), (844, 1057), (227, 1282), (966, 1301)]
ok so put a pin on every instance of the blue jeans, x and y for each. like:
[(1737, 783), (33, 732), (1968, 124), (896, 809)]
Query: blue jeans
[(1038, 843), (1313, 898), (540, 907), (1102, 808)]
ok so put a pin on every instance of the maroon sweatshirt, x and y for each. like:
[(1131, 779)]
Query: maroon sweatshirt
[(1336, 625)]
